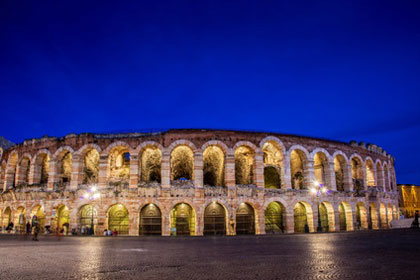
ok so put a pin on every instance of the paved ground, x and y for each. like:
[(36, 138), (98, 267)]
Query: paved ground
[(393, 254)]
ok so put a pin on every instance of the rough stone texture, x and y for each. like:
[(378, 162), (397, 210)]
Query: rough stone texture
[(93, 154)]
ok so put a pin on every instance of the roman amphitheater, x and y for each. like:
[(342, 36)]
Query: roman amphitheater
[(196, 182)]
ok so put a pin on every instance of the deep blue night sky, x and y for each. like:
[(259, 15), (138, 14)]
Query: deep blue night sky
[(334, 69)]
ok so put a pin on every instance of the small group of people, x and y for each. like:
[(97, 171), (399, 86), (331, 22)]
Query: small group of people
[(87, 230), (33, 228), (108, 232)]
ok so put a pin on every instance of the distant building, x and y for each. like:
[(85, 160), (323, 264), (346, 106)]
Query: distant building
[(409, 199)]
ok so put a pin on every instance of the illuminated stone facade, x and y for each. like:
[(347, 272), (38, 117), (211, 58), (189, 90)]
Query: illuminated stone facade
[(197, 182), (409, 199)]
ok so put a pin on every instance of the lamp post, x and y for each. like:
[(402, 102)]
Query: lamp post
[(91, 195), (318, 189)]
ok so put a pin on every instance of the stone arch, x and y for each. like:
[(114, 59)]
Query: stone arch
[(383, 216), (370, 172), (373, 216), (117, 219), (87, 158), (87, 216), (118, 163), (299, 169), (7, 216), (327, 216), (275, 218), (41, 167), (244, 163), (357, 173), (274, 152), (62, 219), (322, 172), (214, 165), (63, 169), (345, 216), (245, 218), (11, 168), (182, 142), (218, 143), (361, 216), (150, 220), (38, 211), (182, 162), (341, 171), (150, 162), (303, 217), (215, 219), (23, 169), (20, 219), (183, 219), (389, 214)]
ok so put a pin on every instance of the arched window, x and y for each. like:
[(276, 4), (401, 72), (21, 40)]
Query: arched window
[(151, 161), (244, 165), (213, 166), (182, 163), (273, 164)]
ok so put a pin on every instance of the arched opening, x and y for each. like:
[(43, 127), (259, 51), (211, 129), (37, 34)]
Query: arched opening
[(297, 168), (342, 217), (38, 211), (7, 217), (273, 165), (118, 165), (64, 164), (357, 175), (151, 161), (326, 214), (214, 165), (274, 218), (244, 165), (63, 219), (214, 219), (373, 216), (379, 175), (339, 164), (88, 219), (302, 219), (395, 213), (386, 179), (20, 219), (245, 219), (23, 174), (382, 213), (389, 214), (345, 216), (150, 220), (11, 171), (41, 170), (182, 163), (370, 173), (118, 220), (91, 167), (361, 216), (321, 168), (183, 220)]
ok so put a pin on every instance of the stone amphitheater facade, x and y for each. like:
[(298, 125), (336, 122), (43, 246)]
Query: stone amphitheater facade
[(197, 182)]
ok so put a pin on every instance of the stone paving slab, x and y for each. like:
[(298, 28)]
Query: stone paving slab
[(392, 254)]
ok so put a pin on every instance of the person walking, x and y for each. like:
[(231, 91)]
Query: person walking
[(28, 230), (415, 223), (35, 227)]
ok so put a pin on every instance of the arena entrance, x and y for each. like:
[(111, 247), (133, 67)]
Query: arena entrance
[(87, 217), (361, 216), (182, 220), (245, 219), (342, 217), (7, 217), (38, 211), (302, 214), (118, 220), (274, 223), (63, 218), (20, 219), (323, 213), (382, 211), (214, 219), (150, 220)]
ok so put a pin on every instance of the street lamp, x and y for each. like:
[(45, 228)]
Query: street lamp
[(91, 195), (317, 190)]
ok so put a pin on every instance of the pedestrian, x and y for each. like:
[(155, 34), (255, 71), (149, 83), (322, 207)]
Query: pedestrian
[(109, 232), (35, 227), (306, 228), (28, 228), (415, 223), (115, 232), (105, 232)]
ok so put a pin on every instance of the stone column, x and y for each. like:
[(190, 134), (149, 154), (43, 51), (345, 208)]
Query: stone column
[(52, 174), (348, 182), (365, 183), (259, 169), (165, 169), (331, 183), (76, 172), (230, 170), (286, 182), (134, 172), (261, 222), (103, 166), (166, 224), (199, 226), (134, 223), (337, 219), (198, 169), (290, 222), (309, 174)]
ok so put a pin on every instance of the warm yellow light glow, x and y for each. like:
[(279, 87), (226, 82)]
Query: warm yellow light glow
[(324, 190), (313, 190), (86, 196), (93, 189), (316, 183), (96, 195)]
